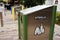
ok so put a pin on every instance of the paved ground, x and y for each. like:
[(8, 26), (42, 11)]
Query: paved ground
[(57, 32), (10, 29)]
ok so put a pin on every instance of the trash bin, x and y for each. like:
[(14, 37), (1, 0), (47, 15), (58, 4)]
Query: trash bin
[(1, 19), (1, 13), (14, 10), (37, 23)]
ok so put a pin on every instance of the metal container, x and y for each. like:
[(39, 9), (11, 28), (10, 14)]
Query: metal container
[(37, 23)]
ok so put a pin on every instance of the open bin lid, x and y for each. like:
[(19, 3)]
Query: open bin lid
[(34, 9)]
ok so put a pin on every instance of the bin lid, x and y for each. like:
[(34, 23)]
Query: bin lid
[(34, 9)]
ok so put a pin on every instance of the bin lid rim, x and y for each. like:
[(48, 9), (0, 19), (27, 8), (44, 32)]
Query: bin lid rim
[(34, 9)]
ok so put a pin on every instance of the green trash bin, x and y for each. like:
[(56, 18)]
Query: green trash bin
[(37, 23)]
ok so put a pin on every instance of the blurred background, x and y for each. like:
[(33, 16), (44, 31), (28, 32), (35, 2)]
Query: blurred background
[(10, 29)]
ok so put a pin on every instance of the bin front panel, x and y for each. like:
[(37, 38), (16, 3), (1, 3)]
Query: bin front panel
[(39, 24)]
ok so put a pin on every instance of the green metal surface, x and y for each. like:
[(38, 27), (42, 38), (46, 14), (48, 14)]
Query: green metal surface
[(53, 22), (19, 25), (25, 25)]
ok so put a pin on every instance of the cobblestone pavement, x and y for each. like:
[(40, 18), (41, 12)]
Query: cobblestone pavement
[(10, 29)]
